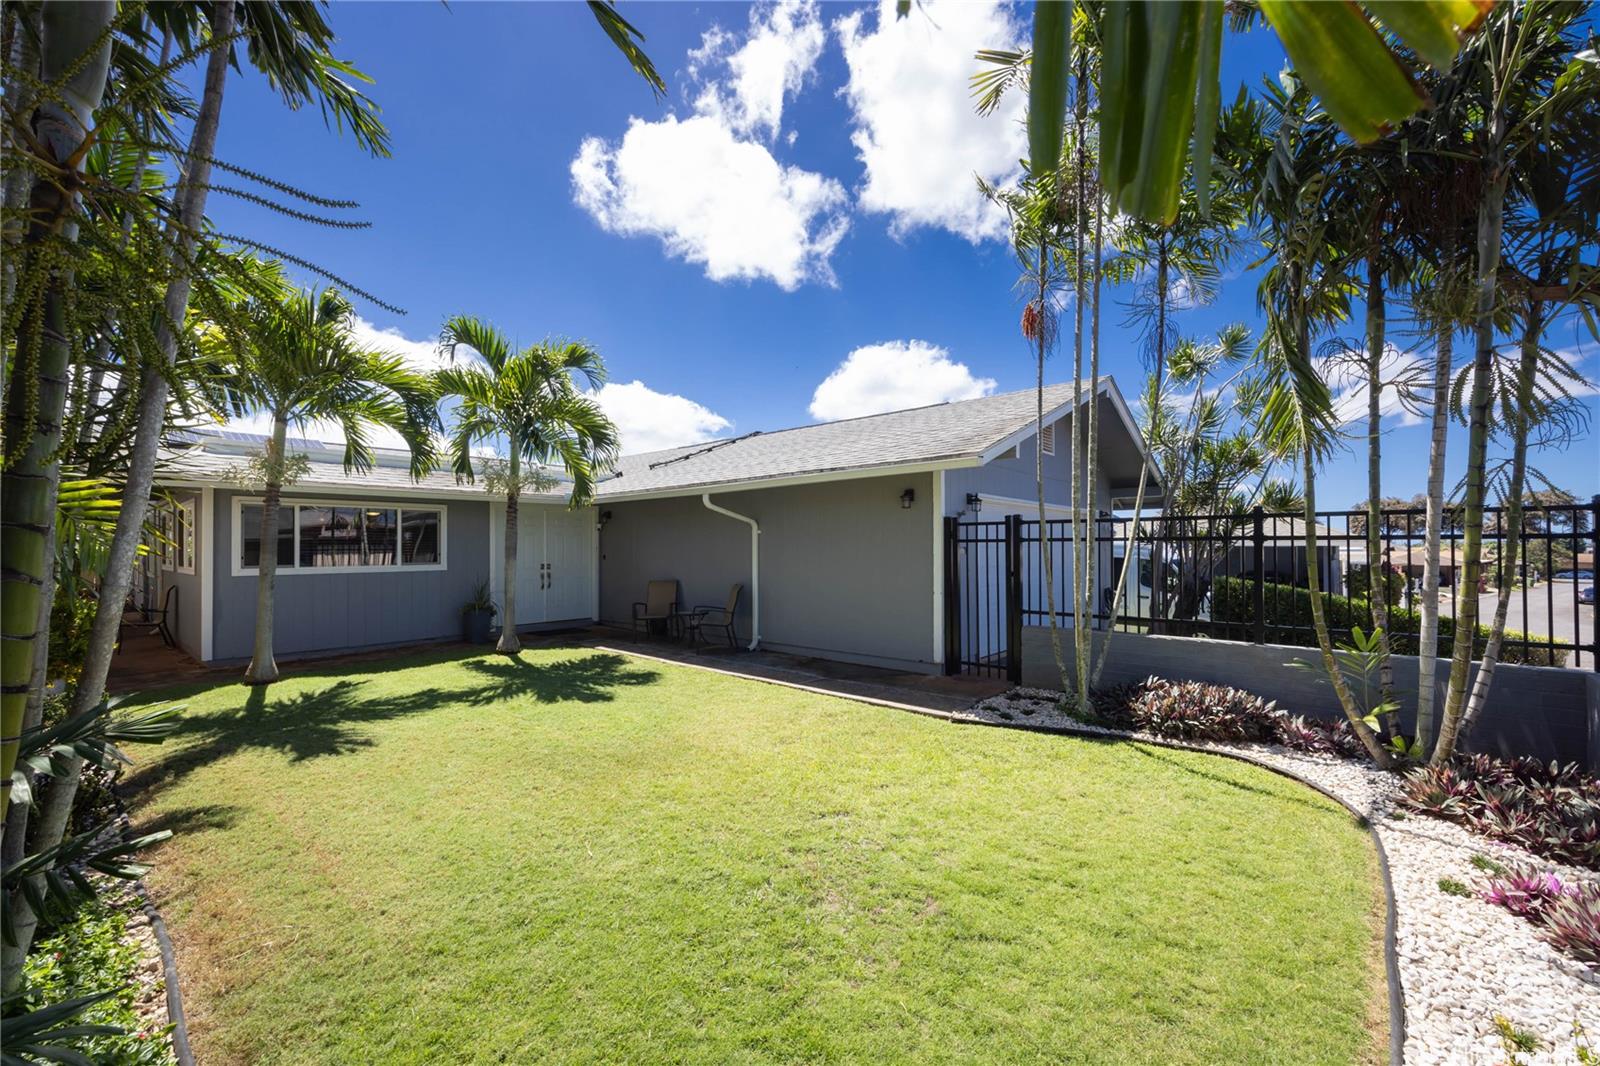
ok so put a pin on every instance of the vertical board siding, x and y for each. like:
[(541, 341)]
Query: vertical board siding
[(334, 611), (845, 570)]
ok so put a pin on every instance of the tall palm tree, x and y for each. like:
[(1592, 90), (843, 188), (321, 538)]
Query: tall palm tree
[(1528, 80), (530, 403), (300, 363)]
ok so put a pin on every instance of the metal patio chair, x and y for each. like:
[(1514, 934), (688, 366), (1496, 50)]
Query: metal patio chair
[(660, 607), (154, 620), (703, 618)]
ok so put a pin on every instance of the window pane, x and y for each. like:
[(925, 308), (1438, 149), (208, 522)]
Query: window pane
[(380, 528), (346, 536), (421, 537), (250, 535)]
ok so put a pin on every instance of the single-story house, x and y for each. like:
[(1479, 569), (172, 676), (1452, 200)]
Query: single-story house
[(834, 530)]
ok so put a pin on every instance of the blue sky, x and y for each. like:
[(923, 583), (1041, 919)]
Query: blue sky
[(800, 209)]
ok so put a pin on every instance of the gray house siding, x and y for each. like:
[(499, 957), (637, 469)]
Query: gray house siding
[(1013, 477), (846, 571), (340, 610)]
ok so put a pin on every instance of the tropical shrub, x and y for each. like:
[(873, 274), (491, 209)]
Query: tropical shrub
[(1549, 809), (1196, 710), (1288, 621), (1572, 923), (86, 955), (1568, 915)]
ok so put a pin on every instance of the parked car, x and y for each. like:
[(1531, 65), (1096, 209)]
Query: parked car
[(1586, 594), (1573, 575)]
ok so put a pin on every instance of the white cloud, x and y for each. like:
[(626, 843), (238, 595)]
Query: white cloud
[(649, 420), (894, 375), (780, 50), (703, 185), (713, 199), (420, 355), (917, 133)]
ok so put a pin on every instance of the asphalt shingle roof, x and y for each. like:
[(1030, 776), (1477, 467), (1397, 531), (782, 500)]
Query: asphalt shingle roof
[(964, 429), (941, 432)]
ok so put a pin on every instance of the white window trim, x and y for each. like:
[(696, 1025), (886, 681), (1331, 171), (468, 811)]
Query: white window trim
[(175, 554), (183, 520), (239, 503)]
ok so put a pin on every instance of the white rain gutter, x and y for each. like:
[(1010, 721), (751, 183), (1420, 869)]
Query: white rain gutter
[(755, 566)]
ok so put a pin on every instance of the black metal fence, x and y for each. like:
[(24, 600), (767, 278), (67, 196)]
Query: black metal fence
[(1247, 577)]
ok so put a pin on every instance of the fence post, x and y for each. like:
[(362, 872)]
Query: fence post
[(1014, 595), (1258, 547), (952, 595), (1594, 561)]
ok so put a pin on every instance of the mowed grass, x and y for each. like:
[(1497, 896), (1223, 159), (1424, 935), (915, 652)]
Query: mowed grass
[(575, 856)]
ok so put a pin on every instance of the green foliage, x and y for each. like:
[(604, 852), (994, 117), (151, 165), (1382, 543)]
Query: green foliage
[(1450, 886), (71, 619), (88, 955), (1488, 865), (1289, 621)]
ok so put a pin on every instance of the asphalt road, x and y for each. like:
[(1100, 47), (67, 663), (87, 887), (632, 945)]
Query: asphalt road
[(1550, 612)]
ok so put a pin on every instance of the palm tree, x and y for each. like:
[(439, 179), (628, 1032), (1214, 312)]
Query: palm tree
[(301, 364), (529, 402), (1528, 79)]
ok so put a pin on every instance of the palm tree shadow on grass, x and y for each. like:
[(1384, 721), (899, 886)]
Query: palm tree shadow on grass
[(333, 720)]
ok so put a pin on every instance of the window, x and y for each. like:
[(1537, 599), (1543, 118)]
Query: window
[(1047, 439), (419, 537), (175, 530), (324, 536), (250, 536)]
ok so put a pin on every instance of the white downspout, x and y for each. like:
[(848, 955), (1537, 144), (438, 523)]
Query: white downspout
[(755, 567)]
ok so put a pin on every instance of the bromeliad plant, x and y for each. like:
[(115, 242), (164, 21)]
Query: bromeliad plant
[(1566, 913)]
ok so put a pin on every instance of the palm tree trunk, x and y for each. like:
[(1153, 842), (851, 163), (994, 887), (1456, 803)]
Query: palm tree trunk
[(1377, 566), (43, 357), (1319, 619), (1087, 672), (263, 667), (508, 644), (1490, 223), (1080, 625), (1428, 629), (1527, 368), (1158, 555), (153, 378)]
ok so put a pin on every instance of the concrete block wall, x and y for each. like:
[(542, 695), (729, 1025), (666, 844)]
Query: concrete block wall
[(1543, 711)]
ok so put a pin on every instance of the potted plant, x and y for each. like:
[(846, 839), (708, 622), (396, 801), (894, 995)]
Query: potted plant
[(477, 614)]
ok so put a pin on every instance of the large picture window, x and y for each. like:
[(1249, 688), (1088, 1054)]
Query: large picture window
[(317, 536)]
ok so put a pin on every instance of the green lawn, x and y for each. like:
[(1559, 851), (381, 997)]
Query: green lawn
[(578, 857)]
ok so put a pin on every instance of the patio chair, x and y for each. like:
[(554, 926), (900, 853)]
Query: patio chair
[(154, 621), (703, 618), (659, 609)]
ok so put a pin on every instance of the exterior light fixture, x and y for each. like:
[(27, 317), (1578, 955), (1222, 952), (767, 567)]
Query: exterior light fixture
[(605, 516), (974, 502), (907, 498)]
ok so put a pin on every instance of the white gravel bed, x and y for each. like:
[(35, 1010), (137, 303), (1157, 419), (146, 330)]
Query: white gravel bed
[(1463, 961)]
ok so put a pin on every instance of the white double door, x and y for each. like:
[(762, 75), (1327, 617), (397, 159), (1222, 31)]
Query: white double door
[(556, 565)]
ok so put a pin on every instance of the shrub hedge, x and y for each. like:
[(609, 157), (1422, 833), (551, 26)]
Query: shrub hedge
[(1289, 621)]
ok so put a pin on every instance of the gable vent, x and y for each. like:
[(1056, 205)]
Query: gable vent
[(1047, 439)]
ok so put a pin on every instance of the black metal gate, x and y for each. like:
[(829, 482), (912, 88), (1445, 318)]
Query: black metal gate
[(983, 597)]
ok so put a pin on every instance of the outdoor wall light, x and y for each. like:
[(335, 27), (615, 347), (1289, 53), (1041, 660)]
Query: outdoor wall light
[(907, 498), (605, 516), (974, 502)]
